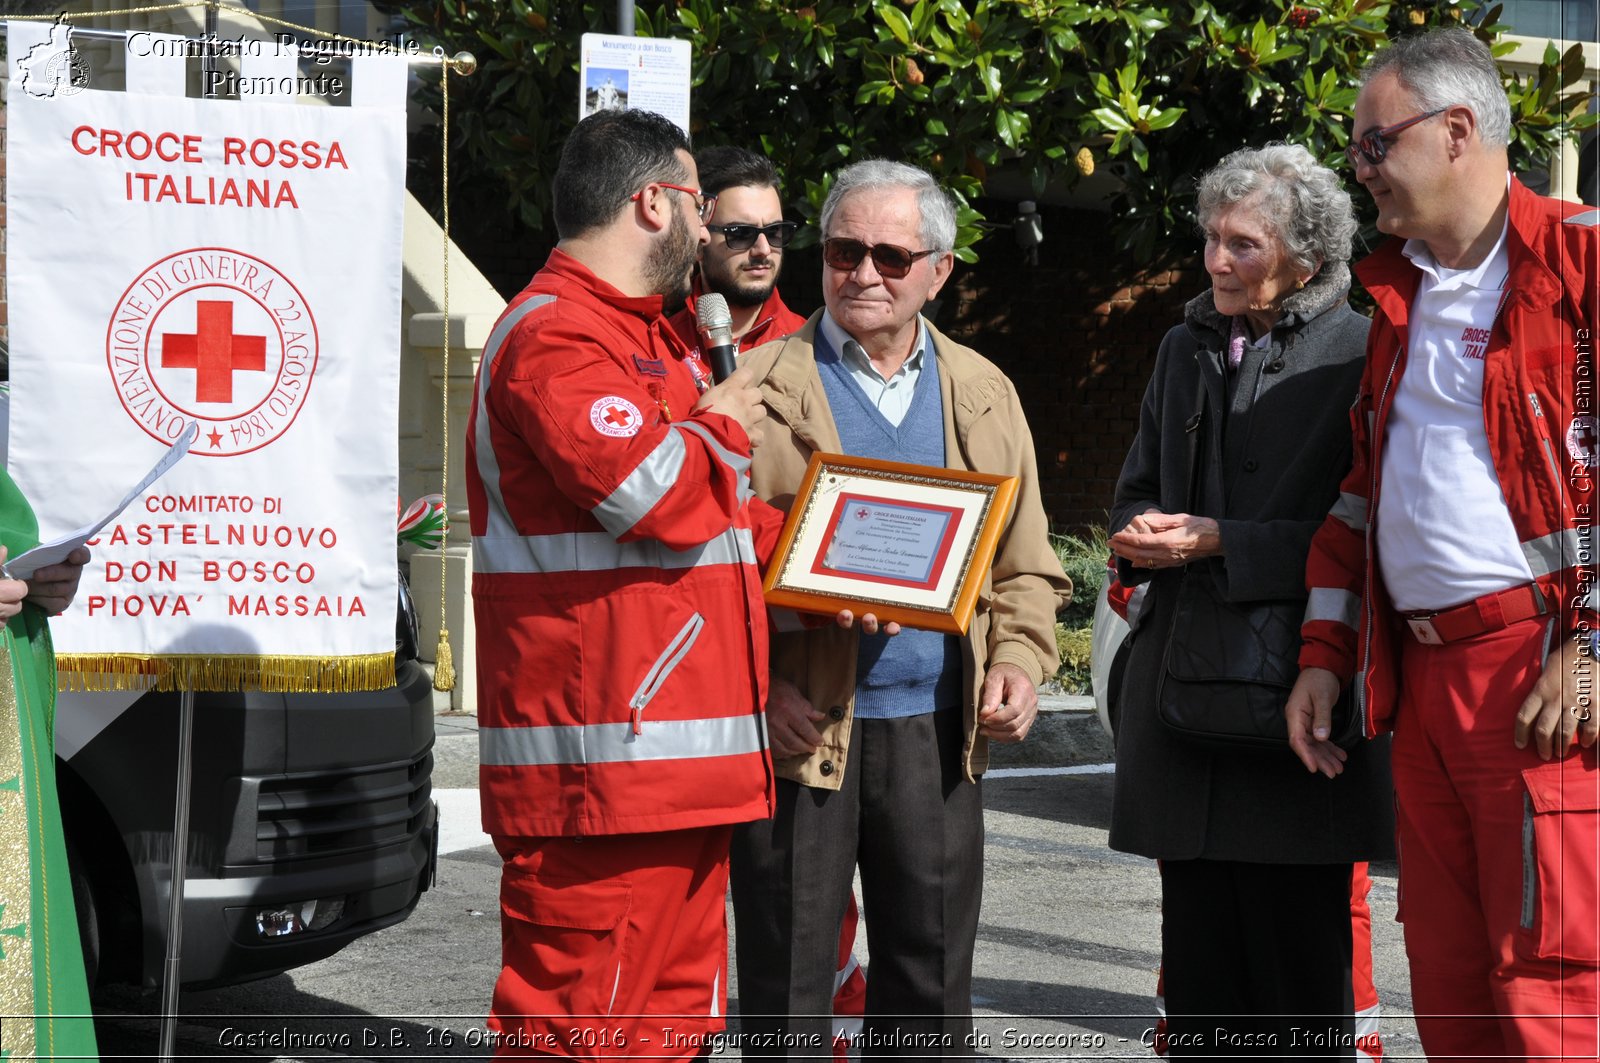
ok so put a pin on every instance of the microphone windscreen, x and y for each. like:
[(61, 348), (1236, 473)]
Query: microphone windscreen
[(714, 318)]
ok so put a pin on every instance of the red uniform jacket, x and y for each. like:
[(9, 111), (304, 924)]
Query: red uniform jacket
[(1539, 406), (622, 642)]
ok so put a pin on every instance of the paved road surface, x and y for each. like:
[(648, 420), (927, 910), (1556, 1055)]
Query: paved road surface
[(1067, 948)]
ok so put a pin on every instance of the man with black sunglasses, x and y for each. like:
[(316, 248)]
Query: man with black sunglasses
[(1454, 583), (878, 743), (744, 256)]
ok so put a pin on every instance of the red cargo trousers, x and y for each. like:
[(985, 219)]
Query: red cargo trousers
[(612, 945), (1499, 858)]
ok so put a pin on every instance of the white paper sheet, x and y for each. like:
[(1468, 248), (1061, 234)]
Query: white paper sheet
[(56, 550)]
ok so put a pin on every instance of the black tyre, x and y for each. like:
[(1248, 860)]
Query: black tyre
[(83, 899)]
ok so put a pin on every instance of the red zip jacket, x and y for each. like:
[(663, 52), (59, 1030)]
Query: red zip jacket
[(622, 642), (1539, 406), (774, 322)]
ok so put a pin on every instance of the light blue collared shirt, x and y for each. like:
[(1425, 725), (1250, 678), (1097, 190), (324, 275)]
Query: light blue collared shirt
[(892, 397)]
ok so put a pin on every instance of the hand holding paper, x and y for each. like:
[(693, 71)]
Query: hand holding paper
[(53, 587)]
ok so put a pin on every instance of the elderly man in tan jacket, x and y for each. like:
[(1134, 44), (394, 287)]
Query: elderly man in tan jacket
[(879, 743)]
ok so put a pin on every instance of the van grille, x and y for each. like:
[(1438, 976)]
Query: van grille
[(317, 814)]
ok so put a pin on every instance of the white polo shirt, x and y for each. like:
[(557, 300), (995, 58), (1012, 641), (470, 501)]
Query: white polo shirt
[(1444, 533)]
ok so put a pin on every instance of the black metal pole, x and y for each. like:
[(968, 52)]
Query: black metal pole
[(172, 971)]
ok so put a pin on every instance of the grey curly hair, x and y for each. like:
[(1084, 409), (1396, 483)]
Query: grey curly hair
[(1447, 67), (1301, 199), (938, 229)]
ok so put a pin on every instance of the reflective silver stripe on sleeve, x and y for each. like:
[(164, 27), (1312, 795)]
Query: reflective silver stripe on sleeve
[(1588, 217), (732, 459), (1351, 511), (1558, 550), (645, 485), (1328, 603), (498, 524), (599, 552), (611, 743)]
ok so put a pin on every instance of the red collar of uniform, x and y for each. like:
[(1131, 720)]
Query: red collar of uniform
[(559, 262), (773, 311)]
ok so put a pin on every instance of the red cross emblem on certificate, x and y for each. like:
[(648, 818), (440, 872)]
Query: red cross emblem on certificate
[(213, 351)]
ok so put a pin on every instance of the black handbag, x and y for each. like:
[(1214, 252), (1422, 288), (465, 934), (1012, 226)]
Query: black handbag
[(1229, 666)]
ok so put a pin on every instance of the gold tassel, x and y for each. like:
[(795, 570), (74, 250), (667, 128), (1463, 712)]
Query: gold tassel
[(444, 669)]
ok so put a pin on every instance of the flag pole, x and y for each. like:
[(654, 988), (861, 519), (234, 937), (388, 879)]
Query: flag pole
[(172, 969)]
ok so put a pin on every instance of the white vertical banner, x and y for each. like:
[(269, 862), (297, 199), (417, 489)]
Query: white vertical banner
[(233, 265)]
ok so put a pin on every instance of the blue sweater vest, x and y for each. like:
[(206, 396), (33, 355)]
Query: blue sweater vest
[(916, 671)]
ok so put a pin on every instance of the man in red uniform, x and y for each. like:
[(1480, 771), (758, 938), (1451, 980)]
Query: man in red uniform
[(622, 640), (744, 257), (1454, 581)]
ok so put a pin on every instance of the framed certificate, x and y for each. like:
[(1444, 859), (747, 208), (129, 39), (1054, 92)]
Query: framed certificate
[(910, 543)]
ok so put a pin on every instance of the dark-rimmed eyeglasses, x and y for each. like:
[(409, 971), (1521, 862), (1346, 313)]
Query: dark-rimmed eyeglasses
[(1373, 147), (704, 202), (891, 260), (742, 237)]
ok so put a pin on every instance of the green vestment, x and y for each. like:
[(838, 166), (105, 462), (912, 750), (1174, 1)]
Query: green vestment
[(44, 1001)]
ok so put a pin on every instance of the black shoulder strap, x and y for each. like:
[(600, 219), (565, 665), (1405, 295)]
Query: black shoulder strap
[(1191, 430)]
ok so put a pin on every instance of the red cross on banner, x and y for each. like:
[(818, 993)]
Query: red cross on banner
[(213, 351)]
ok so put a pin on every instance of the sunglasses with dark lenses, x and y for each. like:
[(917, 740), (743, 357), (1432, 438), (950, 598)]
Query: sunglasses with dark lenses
[(743, 237), (891, 260), (1374, 146)]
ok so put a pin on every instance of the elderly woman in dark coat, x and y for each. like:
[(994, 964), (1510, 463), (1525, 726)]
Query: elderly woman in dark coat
[(1257, 855)]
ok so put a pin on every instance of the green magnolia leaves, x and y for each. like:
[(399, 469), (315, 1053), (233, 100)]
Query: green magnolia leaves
[(1153, 92)]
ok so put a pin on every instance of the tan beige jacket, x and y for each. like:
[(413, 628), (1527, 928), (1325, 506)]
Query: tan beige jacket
[(985, 431)]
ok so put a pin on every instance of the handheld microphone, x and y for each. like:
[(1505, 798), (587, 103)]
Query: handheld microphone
[(716, 334)]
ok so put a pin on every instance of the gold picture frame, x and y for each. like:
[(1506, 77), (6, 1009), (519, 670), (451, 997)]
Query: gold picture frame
[(908, 543)]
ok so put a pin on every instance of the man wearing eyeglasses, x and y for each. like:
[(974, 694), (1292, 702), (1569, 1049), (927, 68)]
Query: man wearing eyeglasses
[(744, 256), (621, 631), (878, 743), (1455, 581)]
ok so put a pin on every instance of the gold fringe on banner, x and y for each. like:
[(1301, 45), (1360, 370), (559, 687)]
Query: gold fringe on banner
[(285, 675)]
